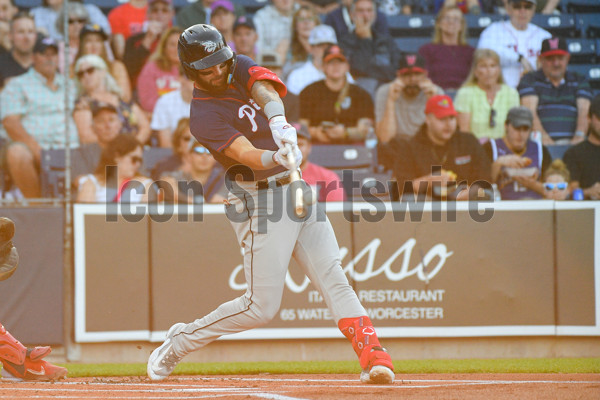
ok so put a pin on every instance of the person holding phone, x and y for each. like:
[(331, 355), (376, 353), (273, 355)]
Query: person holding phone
[(336, 110)]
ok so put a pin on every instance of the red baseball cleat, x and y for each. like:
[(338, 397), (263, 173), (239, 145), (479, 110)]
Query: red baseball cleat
[(39, 370)]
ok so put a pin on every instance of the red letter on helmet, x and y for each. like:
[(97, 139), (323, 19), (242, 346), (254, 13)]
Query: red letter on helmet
[(258, 73)]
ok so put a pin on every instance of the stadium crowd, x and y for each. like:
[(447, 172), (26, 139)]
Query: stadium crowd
[(502, 107)]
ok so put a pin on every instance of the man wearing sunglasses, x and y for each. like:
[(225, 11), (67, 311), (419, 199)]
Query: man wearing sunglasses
[(517, 41), (517, 161), (440, 162), (32, 109)]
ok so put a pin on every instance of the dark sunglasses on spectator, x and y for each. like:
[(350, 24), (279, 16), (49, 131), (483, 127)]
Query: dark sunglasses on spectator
[(200, 150), (86, 71), (560, 186), (527, 6), (136, 159), (79, 20), (492, 118)]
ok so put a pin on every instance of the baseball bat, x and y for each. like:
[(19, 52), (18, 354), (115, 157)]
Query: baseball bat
[(298, 194)]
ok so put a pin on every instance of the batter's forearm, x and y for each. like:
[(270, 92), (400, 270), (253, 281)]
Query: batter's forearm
[(263, 92)]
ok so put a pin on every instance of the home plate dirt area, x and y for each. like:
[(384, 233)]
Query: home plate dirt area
[(315, 387)]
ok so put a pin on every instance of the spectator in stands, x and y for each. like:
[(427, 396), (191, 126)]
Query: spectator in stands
[(372, 54), (484, 99), (465, 6), (222, 17), (291, 101), (199, 13), (170, 109), (78, 17), (96, 85), (47, 21), (559, 99), (274, 26), (20, 57), (321, 37), (336, 110), (583, 159), (399, 104), (107, 123), (127, 20), (556, 181), (93, 40), (326, 183), (517, 161), (438, 157), (140, 45), (160, 75), (8, 10), (448, 57), (180, 143), (245, 37), (32, 108), (298, 49), (341, 21), (199, 179), (124, 183), (517, 41)]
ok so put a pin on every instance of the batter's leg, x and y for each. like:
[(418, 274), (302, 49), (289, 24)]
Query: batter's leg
[(317, 252), (266, 259)]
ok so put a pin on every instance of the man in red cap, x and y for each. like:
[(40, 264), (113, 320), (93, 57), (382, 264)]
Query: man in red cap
[(438, 159), (336, 111), (559, 99)]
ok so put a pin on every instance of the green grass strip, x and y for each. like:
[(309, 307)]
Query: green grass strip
[(522, 365)]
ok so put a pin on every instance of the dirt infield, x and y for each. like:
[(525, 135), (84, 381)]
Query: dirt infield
[(315, 387)]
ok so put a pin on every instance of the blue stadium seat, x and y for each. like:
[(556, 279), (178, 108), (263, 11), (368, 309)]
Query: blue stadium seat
[(53, 167), (477, 23), (588, 25), (411, 44), (380, 185), (340, 156), (582, 6), (411, 25), (583, 51), (590, 71), (27, 4), (153, 155), (563, 25), (557, 151)]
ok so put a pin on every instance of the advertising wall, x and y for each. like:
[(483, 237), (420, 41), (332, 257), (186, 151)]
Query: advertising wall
[(506, 269), (31, 300)]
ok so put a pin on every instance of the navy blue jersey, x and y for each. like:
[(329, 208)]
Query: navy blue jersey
[(217, 120)]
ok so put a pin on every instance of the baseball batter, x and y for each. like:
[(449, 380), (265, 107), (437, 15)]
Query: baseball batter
[(237, 113)]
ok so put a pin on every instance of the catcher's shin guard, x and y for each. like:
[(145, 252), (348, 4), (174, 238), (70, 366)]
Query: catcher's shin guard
[(360, 332), (11, 349), (22, 363)]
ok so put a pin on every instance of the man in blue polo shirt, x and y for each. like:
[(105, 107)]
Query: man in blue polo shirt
[(559, 99)]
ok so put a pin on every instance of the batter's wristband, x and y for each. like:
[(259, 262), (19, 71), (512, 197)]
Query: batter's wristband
[(266, 158), (273, 109)]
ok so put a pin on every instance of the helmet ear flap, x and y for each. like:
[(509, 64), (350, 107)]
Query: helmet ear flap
[(190, 72)]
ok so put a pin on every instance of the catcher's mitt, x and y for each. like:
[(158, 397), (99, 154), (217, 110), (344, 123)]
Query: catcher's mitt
[(9, 258)]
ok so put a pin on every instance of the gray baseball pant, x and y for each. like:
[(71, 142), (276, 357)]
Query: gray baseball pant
[(268, 247)]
